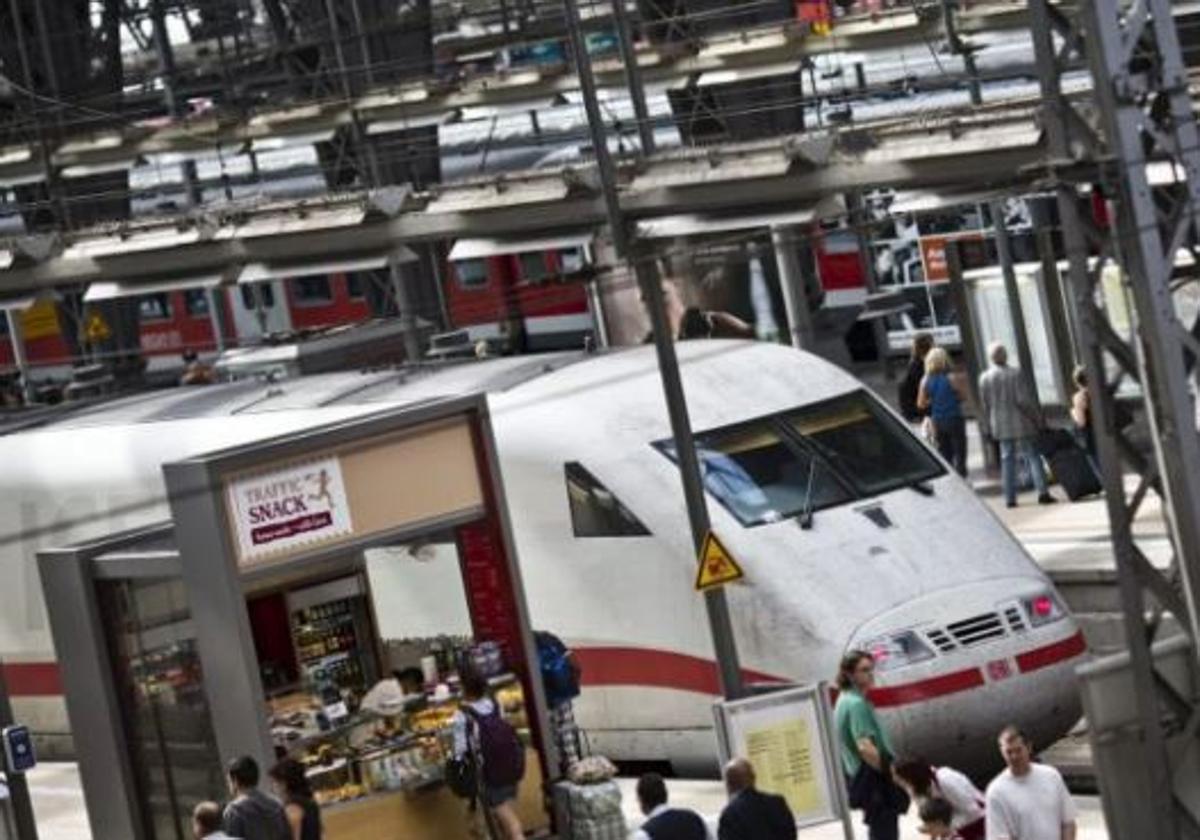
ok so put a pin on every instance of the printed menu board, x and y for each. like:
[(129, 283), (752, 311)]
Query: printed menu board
[(788, 736)]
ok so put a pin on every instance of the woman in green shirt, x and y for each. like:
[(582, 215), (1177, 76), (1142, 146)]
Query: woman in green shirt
[(867, 753)]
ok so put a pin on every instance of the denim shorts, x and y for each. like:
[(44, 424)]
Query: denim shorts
[(494, 797)]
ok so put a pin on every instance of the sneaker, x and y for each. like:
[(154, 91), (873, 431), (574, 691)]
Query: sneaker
[(1046, 499), (1010, 504)]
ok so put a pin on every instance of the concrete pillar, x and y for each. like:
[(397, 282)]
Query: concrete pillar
[(785, 241)]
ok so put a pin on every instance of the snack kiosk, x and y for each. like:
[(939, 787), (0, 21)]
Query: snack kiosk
[(267, 616)]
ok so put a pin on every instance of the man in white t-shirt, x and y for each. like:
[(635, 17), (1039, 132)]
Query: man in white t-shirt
[(1027, 801)]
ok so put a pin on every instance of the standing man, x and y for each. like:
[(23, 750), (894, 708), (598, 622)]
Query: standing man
[(1013, 418), (663, 822), (867, 754), (751, 814), (252, 815), (1027, 801)]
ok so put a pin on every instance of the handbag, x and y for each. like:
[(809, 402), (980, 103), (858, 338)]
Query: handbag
[(462, 776)]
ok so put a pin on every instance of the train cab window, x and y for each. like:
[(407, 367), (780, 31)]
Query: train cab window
[(533, 266), (595, 511), (864, 443), (759, 475), (472, 274), (195, 301), (311, 291), (156, 307), (355, 288)]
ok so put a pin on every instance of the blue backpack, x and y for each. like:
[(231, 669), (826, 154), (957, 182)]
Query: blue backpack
[(559, 675)]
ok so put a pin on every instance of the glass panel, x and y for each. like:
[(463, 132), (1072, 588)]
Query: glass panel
[(533, 266), (355, 289), (472, 274), (154, 307), (311, 290), (572, 260), (595, 511), (196, 301), (867, 446), (166, 716), (760, 477)]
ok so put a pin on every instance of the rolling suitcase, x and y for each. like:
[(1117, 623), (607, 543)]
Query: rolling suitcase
[(1074, 473)]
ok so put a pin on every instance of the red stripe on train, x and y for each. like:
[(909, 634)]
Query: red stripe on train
[(1052, 654), (33, 679), (644, 667)]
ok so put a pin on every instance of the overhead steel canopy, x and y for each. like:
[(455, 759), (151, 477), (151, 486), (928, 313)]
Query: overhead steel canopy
[(924, 201), (115, 245), (114, 289), (19, 303), (746, 74), (260, 272), (474, 249), (669, 227)]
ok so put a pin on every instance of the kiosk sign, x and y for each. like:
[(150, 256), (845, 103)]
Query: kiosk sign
[(283, 509)]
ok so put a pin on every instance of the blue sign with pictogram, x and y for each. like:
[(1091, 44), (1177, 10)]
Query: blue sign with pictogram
[(19, 756)]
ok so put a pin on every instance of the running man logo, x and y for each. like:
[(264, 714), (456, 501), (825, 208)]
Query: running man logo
[(717, 566)]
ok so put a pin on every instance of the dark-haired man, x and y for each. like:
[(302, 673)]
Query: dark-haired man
[(252, 815), (1027, 801), (662, 821)]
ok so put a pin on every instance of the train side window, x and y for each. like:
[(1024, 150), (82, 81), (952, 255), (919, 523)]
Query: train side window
[(572, 260), (268, 295), (355, 289), (312, 291), (195, 301), (472, 274), (533, 266), (595, 511), (156, 307)]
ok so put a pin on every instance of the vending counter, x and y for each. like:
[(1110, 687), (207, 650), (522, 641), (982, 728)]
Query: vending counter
[(261, 621)]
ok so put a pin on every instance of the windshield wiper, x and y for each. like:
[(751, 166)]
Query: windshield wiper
[(806, 512)]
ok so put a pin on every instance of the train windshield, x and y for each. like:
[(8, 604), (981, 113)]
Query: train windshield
[(867, 447), (760, 476), (825, 454)]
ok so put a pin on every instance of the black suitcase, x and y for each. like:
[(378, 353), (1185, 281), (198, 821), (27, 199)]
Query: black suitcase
[(1074, 473)]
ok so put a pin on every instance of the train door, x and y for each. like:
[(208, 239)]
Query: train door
[(259, 309)]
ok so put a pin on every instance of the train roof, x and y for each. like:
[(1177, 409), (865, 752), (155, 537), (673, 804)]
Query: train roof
[(403, 386)]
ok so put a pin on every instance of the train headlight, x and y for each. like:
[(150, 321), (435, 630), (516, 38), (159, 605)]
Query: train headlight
[(1042, 609), (898, 650)]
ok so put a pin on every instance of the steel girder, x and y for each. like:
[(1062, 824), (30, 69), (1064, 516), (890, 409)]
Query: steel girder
[(1141, 110)]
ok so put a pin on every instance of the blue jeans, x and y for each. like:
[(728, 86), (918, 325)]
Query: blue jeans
[(1009, 450)]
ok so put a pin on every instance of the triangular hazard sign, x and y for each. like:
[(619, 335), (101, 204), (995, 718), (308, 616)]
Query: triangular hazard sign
[(717, 565)]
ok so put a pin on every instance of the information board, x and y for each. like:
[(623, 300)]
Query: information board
[(788, 736)]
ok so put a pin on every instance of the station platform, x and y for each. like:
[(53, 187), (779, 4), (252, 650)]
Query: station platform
[(58, 802)]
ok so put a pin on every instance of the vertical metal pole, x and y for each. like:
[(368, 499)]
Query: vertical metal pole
[(166, 57), (214, 317), (1013, 293), (970, 342), (596, 305), (18, 785), (961, 49), (16, 337), (791, 282), (720, 623), (404, 311), (633, 77), (1061, 330), (854, 206)]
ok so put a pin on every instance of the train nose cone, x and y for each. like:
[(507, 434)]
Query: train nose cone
[(957, 665)]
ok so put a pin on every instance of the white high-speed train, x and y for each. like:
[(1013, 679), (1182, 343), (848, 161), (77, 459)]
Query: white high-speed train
[(900, 557)]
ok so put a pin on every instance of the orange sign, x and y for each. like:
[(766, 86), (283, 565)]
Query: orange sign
[(717, 566), (933, 254)]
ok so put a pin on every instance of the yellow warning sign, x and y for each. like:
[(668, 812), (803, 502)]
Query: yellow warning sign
[(97, 328), (717, 566)]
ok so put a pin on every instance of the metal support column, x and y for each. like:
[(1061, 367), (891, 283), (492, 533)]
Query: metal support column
[(1062, 331), (16, 338), (633, 77), (18, 787), (166, 58), (215, 296), (405, 312), (642, 266), (791, 282), (1141, 95), (969, 335), (1013, 293)]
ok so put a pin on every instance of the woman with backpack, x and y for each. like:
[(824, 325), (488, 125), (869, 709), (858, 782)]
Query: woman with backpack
[(939, 396), (482, 735)]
